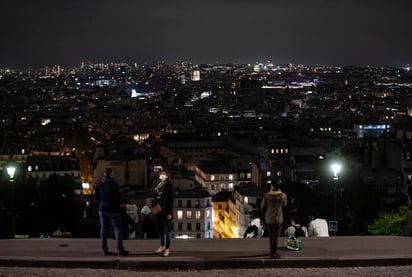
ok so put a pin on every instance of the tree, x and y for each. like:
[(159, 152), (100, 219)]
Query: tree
[(390, 222), (59, 205)]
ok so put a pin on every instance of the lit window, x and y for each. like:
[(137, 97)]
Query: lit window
[(231, 185), (29, 168), (188, 214), (246, 200), (249, 175), (212, 177), (179, 214), (231, 177), (198, 214), (279, 173), (273, 151), (268, 173), (207, 213)]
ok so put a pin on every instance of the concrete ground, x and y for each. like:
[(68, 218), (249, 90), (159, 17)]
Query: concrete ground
[(212, 254)]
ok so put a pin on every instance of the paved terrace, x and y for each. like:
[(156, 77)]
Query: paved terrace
[(196, 254)]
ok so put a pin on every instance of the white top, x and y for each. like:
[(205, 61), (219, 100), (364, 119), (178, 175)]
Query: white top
[(318, 228)]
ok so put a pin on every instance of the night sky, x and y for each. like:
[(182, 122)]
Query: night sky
[(37, 33)]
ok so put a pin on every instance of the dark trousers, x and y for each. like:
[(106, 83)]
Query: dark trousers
[(164, 229), (274, 233)]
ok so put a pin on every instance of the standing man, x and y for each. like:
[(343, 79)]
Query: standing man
[(108, 195), (272, 206), (164, 196)]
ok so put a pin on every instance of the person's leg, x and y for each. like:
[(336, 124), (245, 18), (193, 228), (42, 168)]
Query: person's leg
[(270, 235), (103, 231), (276, 235), (161, 234), (116, 221), (162, 240), (167, 241), (167, 234)]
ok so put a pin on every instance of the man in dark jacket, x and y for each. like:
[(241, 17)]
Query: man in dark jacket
[(272, 206), (108, 195)]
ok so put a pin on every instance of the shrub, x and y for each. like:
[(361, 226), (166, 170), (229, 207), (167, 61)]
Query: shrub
[(390, 223)]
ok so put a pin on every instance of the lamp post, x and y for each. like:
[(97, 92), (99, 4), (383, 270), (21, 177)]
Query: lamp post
[(11, 170), (336, 168)]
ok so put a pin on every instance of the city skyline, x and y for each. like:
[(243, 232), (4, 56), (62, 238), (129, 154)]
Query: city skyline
[(44, 33)]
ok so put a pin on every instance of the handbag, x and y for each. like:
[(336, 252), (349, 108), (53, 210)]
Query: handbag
[(156, 209)]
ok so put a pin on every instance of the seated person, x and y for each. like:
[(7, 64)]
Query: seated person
[(296, 230), (318, 227)]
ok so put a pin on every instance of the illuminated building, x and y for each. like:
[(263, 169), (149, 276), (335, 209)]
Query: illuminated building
[(42, 166), (216, 176), (193, 214), (221, 221), (195, 75), (374, 130)]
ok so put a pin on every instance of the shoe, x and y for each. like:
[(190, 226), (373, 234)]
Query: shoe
[(275, 256), (166, 253), (160, 250), (123, 253), (107, 253)]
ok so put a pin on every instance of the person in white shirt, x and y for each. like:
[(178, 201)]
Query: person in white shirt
[(318, 227)]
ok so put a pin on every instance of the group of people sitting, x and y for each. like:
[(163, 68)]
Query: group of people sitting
[(317, 227)]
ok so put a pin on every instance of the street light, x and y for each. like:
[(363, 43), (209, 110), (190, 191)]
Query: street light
[(336, 168), (11, 170)]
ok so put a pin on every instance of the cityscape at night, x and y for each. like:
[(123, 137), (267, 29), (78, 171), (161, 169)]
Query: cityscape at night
[(224, 131)]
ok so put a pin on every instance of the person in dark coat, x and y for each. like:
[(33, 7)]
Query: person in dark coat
[(107, 193), (164, 196), (272, 206)]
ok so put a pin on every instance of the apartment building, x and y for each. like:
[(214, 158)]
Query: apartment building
[(193, 214)]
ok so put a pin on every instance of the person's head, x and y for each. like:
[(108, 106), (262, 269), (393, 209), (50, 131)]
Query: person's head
[(163, 176), (108, 171), (276, 184)]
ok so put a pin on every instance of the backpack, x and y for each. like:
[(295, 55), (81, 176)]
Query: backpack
[(299, 232), (292, 243)]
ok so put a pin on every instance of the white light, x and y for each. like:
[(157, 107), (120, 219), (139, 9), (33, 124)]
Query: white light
[(11, 170), (336, 167)]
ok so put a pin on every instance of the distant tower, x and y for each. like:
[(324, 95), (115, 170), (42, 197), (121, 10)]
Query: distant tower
[(195, 75)]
